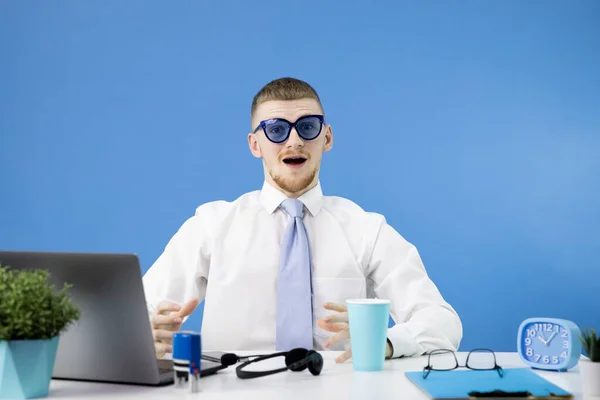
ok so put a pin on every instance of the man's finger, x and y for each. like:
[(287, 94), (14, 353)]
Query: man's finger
[(335, 307), (162, 348), (188, 308), (343, 335), (344, 356), (165, 306), (339, 317), (323, 324), (158, 319), (162, 335)]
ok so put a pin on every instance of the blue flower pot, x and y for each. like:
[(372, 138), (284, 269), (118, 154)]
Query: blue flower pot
[(26, 367)]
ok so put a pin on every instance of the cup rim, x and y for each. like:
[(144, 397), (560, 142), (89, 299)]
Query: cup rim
[(368, 301)]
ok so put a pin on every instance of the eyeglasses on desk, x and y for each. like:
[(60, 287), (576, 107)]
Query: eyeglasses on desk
[(477, 359)]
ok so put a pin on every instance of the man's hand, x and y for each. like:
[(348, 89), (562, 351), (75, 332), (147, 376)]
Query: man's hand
[(339, 323), (166, 320)]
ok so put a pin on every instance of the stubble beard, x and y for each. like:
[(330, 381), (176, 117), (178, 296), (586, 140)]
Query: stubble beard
[(294, 184)]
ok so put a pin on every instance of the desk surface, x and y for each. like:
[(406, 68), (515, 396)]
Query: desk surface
[(337, 381)]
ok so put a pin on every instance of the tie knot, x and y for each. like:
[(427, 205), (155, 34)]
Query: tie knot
[(293, 207)]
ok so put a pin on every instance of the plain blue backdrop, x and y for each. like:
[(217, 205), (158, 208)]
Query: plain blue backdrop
[(474, 127)]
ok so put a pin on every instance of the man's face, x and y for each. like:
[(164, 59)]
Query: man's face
[(292, 165)]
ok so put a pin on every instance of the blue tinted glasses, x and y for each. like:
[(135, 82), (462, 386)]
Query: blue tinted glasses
[(277, 130)]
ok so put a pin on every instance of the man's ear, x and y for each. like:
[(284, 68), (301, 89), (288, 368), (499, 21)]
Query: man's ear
[(328, 142), (254, 145)]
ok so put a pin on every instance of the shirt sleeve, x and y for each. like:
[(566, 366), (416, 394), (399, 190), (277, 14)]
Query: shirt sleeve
[(180, 273), (424, 320)]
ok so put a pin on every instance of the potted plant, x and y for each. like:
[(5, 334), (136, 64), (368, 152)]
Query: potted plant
[(590, 369), (32, 316)]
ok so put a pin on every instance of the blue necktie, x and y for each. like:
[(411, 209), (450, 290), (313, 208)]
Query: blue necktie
[(294, 293)]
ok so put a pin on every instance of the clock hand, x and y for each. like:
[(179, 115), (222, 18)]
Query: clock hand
[(550, 338), (542, 339)]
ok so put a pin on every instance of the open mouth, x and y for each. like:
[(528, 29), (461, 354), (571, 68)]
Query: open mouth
[(294, 161)]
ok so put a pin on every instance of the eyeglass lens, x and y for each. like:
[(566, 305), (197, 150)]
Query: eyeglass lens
[(481, 359), (278, 130), (443, 361)]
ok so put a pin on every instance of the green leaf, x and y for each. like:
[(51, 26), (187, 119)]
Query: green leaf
[(31, 308), (590, 341)]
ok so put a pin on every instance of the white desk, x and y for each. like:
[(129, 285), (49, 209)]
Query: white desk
[(337, 381)]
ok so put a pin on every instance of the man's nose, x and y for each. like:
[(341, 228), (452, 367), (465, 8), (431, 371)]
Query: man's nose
[(294, 140)]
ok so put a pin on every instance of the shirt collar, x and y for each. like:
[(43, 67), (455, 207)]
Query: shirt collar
[(271, 198)]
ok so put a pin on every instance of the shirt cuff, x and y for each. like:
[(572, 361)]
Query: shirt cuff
[(402, 342)]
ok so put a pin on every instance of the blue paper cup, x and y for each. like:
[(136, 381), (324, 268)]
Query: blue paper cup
[(368, 320)]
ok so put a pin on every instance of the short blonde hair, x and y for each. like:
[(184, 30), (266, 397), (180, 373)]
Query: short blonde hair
[(284, 89)]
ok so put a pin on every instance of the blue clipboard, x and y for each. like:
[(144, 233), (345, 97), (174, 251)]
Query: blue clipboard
[(470, 384)]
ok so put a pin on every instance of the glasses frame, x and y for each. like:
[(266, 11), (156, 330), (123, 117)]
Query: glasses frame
[(263, 124), (427, 370)]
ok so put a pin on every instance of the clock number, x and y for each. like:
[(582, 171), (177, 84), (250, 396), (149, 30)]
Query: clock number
[(531, 332), (546, 359), (545, 327), (564, 334), (529, 351), (537, 357), (527, 341), (554, 360), (565, 344), (563, 354)]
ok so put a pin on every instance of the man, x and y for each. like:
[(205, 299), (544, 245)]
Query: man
[(273, 263)]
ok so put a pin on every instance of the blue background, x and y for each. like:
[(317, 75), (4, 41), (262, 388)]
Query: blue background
[(474, 127)]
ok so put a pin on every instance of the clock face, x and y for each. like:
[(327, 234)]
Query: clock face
[(545, 343)]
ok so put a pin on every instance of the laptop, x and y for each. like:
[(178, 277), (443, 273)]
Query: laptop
[(112, 341)]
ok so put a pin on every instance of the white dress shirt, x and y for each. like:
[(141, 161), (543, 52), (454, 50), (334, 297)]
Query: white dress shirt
[(228, 255)]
